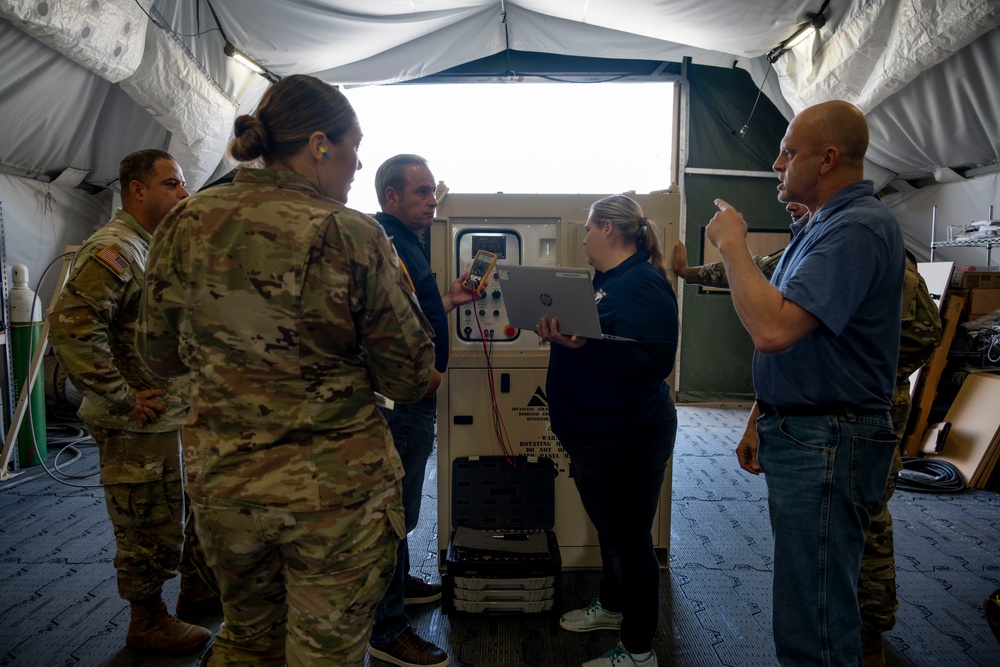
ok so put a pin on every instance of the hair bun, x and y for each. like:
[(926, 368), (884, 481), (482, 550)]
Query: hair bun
[(251, 139)]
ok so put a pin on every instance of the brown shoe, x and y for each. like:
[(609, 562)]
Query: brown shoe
[(418, 591), (152, 628), (991, 605), (872, 649), (197, 599), (410, 650)]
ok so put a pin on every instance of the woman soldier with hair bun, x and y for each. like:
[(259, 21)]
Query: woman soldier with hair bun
[(289, 312)]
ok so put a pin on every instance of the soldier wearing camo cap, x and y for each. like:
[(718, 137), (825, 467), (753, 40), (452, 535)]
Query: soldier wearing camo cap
[(290, 312), (134, 416), (920, 334)]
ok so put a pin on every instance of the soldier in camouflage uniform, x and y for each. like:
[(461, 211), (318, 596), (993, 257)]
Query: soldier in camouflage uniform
[(133, 416), (920, 334), (290, 312)]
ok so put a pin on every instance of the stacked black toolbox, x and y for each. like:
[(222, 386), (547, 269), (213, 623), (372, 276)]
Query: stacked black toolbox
[(502, 556)]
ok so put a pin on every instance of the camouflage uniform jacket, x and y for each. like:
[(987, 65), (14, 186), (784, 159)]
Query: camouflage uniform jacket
[(920, 332), (922, 329), (92, 330), (290, 311)]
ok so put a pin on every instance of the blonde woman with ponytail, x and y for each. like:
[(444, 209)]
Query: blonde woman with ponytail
[(611, 409)]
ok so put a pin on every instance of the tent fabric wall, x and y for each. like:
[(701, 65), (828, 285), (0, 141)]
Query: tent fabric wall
[(880, 48), (106, 37), (945, 117), (957, 204), (608, 38), (41, 219), (110, 38), (716, 351), (174, 89), (42, 135), (375, 42), (721, 104), (175, 104), (360, 42)]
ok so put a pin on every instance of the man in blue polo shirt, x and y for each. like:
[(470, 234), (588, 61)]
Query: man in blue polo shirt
[(405, 188), (826, 331)]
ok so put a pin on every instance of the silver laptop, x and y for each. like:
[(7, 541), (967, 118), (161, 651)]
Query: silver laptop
[(564, 293)]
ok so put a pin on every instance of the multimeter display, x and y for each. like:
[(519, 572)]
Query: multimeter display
[(482, 264)]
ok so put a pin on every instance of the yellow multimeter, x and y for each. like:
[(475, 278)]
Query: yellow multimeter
[(482, 265)]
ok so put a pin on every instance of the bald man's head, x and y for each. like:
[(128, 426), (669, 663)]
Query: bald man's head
[(823, 150), (839, 124)]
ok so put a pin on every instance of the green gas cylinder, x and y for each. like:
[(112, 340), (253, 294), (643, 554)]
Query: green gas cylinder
[(25, 332)]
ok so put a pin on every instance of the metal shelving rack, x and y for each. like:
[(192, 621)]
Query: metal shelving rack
[(6, 356), (988, 243)]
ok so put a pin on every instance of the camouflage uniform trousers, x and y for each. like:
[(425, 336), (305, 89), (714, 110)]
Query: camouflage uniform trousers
[(299, 588), (144, 493), (877, 583)]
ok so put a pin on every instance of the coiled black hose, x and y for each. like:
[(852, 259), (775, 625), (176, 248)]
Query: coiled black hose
[(929, 476)]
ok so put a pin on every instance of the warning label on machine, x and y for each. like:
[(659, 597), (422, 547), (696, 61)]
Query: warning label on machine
[(536, 437), (537, 408)]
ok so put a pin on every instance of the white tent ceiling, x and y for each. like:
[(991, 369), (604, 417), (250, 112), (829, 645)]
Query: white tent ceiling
[(83, 82)]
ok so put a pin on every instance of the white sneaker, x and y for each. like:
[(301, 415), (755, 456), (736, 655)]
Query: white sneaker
[(590, 618), (619, 657)]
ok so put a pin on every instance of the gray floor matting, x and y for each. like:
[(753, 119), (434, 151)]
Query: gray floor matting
[(59, 604)]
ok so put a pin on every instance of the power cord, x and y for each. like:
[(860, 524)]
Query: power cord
[(499, 427), (69, 437), (989, 341), (985, 335), (70, 443)]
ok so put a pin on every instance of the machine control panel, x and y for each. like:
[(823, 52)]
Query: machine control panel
[(486, 317), (530, 241)]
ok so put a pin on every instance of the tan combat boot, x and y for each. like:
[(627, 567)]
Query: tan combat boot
[(153, 628)]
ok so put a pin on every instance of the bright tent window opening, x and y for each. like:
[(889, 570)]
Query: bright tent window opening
[(538, 138)]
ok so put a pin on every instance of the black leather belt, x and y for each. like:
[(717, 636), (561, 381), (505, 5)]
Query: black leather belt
[(815, 410)]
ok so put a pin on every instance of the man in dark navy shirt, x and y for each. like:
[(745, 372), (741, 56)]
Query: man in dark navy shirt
[(405, 188)]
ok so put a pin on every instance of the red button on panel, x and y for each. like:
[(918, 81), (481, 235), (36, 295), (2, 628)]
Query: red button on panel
[(509, 331)]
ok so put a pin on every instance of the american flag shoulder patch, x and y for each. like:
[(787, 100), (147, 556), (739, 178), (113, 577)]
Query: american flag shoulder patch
[(114, 261)]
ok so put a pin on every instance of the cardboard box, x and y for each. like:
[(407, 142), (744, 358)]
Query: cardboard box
[(976, 279), (982, 301)]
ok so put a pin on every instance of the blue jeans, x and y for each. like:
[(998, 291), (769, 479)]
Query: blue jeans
[(412, 428), (619, 483), (823, 474)]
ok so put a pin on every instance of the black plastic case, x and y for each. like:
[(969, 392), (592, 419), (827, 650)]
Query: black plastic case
[(502, 555)]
